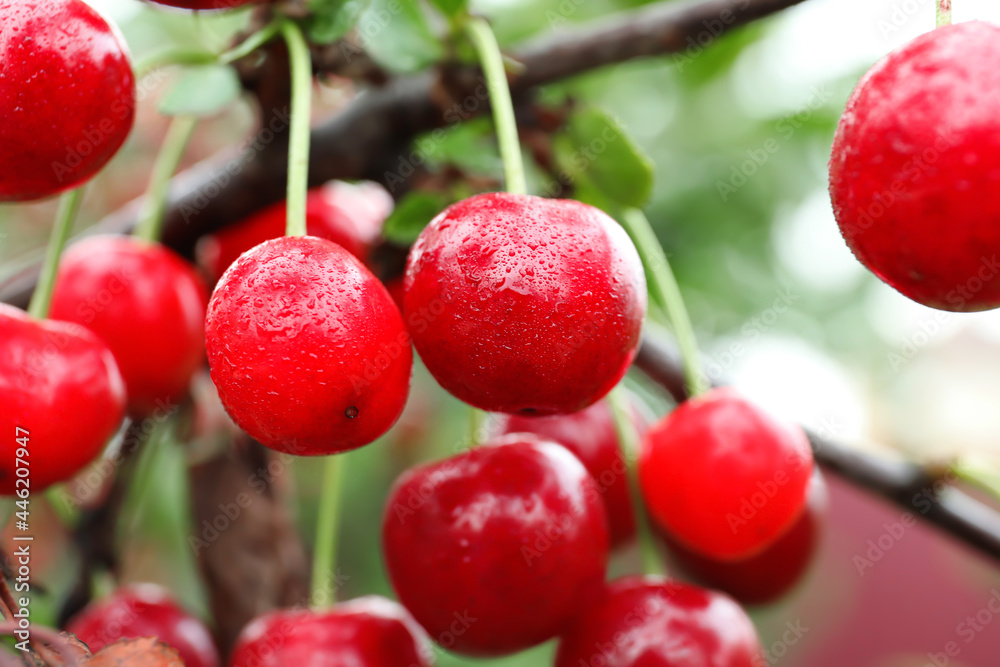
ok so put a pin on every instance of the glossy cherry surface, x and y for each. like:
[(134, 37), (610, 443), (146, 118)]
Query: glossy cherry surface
[(206, 4), (915, 171), (772, 573), (147, 304), (365, 632), (145, 610), (590, 434), (519, 304), (496, 549), (724, 478), (307, 349), (59, 382), (656, 622), (349, 215), (67, 96)]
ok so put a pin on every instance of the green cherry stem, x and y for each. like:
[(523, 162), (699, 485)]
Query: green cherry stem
[(151, 218), (323, 591), (665, 291), (252, 43), (196, 56), (69, 207), (943, 13), (298, 146), (628, 441), (503, 108)]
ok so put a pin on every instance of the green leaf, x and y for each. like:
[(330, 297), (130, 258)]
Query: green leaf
[(332, 19), (451, 8), (595, 145), (396, 34), (201, 91), (411, 215)]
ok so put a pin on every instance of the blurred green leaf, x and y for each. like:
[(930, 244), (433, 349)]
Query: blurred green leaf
[(201, 91), (396, 34), (332, 19), (595, 145), (411, 215), (451, 8)]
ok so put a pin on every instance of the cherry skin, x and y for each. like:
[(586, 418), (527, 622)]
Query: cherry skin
[(307, 349), (915, 169), (519, 304), (656, 622), (145, 610), (724, 478), (67, 96), (590, 434), (59, 382), (770, 574), (347, 214), (369, 632), (147, 304), (512, 534)]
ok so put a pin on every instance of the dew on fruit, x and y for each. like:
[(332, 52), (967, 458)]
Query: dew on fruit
[(351, 412)]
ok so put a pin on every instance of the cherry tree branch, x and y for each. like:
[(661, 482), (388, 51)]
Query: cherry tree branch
[(371, 138), (908, 485)]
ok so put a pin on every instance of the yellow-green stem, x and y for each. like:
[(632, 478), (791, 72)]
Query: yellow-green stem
[(69, 207), (324, 570), (665, 291), (628, 441), (503, 108), (298, 141), (174, 144)]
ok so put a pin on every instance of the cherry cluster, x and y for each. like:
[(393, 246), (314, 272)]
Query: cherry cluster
[(527, 308)]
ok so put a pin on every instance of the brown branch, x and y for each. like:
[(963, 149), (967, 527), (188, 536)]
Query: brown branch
[(371, 139), (905, 484)]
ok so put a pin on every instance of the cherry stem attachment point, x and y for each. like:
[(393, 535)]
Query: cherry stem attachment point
[(196, 56), (628, 441), (323, 589), (491, 58), (943, 13), (667, 294), (69, 207), (298, 145), (174, 144)]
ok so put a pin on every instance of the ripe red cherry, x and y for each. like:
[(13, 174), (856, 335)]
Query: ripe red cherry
[(369, 632), (724, 478), (915, 171), (67, 96), (773, 572), (146, 303), (496, 549), (655, 622), (520, 304), (60, 383), (207, 4), (590, 434), (307, 349), (145, 610), (349, 215)]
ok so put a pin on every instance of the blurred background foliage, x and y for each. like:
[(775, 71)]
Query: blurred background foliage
[(739, 131)]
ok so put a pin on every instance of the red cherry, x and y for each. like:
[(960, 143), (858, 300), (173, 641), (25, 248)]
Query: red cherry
[(306, 347), (146, 303), (349, 215), (67, 96), (520, 304), (655, 622), (915, 171), (724, 478), (590, 434), (773, 572), (367, 632), (145, 610), (496, 549), (60, 383), (207, 4)]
